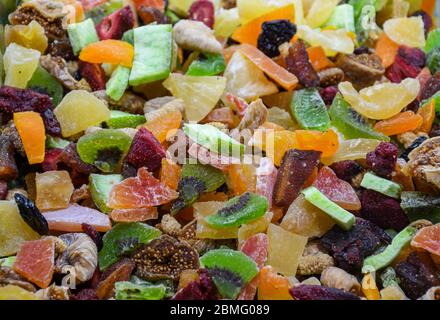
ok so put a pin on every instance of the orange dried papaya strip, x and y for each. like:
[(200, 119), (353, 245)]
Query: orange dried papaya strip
[(427, 112), (30, 127), (108, 51), (401, 123), (326, 142), (386, 49), (318, 58)]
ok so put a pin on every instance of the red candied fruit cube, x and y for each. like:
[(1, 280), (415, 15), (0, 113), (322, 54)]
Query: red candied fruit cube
[(114, 25), (203, 11)]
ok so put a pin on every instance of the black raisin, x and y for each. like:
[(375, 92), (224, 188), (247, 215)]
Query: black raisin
[(31, 215), (274, 34)]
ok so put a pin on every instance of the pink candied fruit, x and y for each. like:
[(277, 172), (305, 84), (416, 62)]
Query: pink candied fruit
[(203, 11), (114, 25)]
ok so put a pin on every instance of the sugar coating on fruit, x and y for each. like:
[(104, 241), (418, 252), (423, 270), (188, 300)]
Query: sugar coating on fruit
[(54, 190)]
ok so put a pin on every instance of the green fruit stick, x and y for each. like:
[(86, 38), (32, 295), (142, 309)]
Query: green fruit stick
[(119, 120), (118, 83), (381, 185), (82, 34), (126, 290), (383, 259), (342, 217)]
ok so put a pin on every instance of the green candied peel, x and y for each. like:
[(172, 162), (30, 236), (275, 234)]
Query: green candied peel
[(383, 259), (7, 262), (381, 185), (119, 120), (128, 36), (309, 110), (82, 34), (350, 123), (342, 18), (118, 83), (109, 143), (122, 240), (126, 290), (389, 277), (221, 262), (153, 53), (433, 40), (214, 139), (342, 217), (100, 188), (418, 205), (43, 82), (239, 210), (209, 65)]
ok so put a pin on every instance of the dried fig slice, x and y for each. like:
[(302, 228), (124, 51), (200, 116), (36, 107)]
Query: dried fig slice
[(362, 70), (330, 77)]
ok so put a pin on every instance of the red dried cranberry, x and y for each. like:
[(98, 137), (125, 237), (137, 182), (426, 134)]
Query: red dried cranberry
[(94, 234), (94, 74), (431, 87), (346, 170), (84, 294), (308, 292), (203, 11), (383, 211), (328, 94), (414, 56), (204, 289), (3, 190), (383, 160), (114, 25), (417, 274), (298, 63), (427, 20), (19, 100), (145, 151), (51, 159), (51, 123), (350, 248), (401, 70)]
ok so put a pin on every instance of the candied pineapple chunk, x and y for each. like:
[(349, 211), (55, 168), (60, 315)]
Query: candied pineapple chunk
[(205, 209), (30, 36), (11, 292), (54, 189), (79, 110), (248, 230), (285, 250), (20, 64)]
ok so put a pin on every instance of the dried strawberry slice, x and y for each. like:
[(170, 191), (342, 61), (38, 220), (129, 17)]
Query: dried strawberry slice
[(383, 160), (145, 151), (94, 74), (203, 11), (114, 25)]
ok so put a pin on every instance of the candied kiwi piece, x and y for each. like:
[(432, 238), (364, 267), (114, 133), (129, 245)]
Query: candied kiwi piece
[(104, 148), (100, 188), (119, 120), (309, 110), (418, 205), (230, 270), (196, 179), (239, 210), (43, 82), (296, 168)]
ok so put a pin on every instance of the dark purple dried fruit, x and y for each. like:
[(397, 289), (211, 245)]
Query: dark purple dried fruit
[(84, 294), (3, 190), (417, 274), (307, 292), (51, 123), (361, 50), (383, 211), (8, 167), (414, 145), (150, 15), (407, 64), (427, 20), (94, 74), (204, 289), (93, 234), (164, 258), (120, 271), (51, 159), (61, 48), (114, 25), (298, 63), (31, 215), (274, 33), (414, 56), (145, 151), (346, 170), (328, 94), (350, 248), (19, 100), (203, 11), (431, 87), (383, 160), (296, 168)]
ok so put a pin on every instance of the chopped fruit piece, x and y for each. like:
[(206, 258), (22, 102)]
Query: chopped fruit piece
[(108, 51), (275, 143), (418, 205), (223, 115), (134, 215), (383, 259), (309, 110), (266, 178), (11, 292), (242, 178), (123, 239), (285, 250), (352, 150), (114, 25), (280, 75), (230, 270), (36, 261), (118, 83), (248, 230), (82, 34), (295, 169), (342, 217), (152, 55), (30, 127), (386, 49), (79, 110), (200, 94), (140, 192), (100, 187), (320, 12), (273, 286), (162, 126), (342, 18), (43, 81), (29, 36), (408, 31), (325, 142), (126, 290), (19, 64), (249, 31), (54, 190), (209, 65), (203, 11), (381, 101), (245, 80), (381, 185), (170, 173), (305, 219), (369, 287), (401, 123), (297, 62), (72, 218), (428, 239), (120, 120), (337, 190), (427, 112), (318, 58), (315, 292), (203, 210), (13, 229), (226, 22), (238, 211)]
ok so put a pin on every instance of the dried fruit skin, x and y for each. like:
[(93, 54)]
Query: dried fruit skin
[(307, 292), (297, 62), (274, 33), (295, 169), (31, 215)]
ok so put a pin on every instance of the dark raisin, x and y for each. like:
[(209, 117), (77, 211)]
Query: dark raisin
[(328, 94), (274, 33), (298, 63), (416, 143), (383, 160), (94, 234), (51, 123), (19, 100), (8, 166), (84, 294), (31, 215), (346, 170), (308, 292), (361, 50), (203, 11)]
